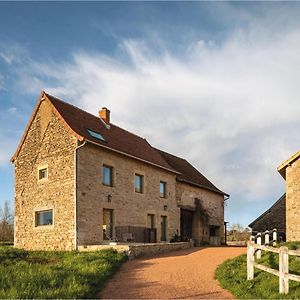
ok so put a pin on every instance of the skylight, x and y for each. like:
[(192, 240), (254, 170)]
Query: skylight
[(96, 135)]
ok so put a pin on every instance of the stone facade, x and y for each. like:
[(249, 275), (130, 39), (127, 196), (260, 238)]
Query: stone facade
[(47, 144), (211, 204), (293, 201), (129, 207), (80, 203)]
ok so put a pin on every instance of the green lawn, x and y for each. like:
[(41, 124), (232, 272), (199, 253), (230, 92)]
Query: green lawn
[(232, 275), (45, 274)]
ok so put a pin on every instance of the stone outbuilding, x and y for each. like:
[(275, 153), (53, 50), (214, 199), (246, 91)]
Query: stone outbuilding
[(284, 215), (81, 180), (274, 217)]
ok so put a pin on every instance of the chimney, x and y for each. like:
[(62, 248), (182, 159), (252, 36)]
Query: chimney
[(104, 114)]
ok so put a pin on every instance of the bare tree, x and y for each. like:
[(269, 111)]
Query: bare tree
[(238, 233), (6, 223)]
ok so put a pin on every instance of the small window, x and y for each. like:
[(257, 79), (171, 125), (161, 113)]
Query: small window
[(163, 189), (214, 230), (138, 183), (43, 173), (107, 175), (44, 218), (96, 135)]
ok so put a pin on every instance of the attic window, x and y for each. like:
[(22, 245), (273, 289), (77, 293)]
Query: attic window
[(96, 135)]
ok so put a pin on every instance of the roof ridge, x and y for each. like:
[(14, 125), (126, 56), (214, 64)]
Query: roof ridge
[(130, 132), (268, 209), (78, 108), (171, 154), (74, 106)]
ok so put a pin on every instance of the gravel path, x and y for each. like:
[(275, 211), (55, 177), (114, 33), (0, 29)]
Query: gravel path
[(182, 274)]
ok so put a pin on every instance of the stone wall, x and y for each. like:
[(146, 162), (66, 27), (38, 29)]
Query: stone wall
[(212, 203), (134, 251), (129, 207), (47, 144), (293, 201)]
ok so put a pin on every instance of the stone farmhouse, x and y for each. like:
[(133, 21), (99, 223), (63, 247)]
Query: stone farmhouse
[(285, 213), (81, 180)]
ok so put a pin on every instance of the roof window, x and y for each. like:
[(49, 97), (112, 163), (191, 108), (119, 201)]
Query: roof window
[(96, 135)]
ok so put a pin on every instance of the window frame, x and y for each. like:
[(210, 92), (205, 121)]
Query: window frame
[(139, 190), (40, 171), (164, 194), (111, 177), (96, 135), (36, 214)]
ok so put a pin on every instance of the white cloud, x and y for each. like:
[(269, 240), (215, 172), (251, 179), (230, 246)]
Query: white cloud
[(12, 110), (232, 110), (7, 58), (7, 148)]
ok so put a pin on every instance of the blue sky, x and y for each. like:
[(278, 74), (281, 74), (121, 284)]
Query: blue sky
[(216, 83)]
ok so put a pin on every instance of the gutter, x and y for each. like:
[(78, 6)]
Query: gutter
[(226, 196), (133, 157), (75, 193)]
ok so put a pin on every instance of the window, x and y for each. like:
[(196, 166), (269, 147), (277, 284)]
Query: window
[(96, 135), (43, 218), (163, 189), (43, 173), (107, 175), (214, 230), (138, 183)]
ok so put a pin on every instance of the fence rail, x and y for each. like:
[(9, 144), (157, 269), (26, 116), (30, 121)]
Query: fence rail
[(282, 273)]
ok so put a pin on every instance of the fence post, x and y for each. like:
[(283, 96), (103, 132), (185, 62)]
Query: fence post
[(274, 237), (258, 253), (267, 238), (250, 260), (283, 270)]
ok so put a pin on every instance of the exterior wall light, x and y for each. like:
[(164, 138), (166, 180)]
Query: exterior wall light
[(109, 197)]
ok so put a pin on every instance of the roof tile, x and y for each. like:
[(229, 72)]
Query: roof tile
[(115, 137)]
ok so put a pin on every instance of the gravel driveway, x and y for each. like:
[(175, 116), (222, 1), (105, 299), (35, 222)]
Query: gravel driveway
[(181, 274)]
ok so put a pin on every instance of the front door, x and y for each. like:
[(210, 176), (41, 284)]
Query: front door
[(186, 223), (150, 231), (107, 224)]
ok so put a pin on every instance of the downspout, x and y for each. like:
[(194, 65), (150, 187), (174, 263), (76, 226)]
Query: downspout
[(75, 193), (225, 223)]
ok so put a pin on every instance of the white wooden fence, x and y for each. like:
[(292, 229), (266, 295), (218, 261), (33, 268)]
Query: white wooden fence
[(267, 242), (282, 273)]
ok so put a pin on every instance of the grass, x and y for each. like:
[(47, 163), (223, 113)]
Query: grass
[(232, 275), (45, 274)]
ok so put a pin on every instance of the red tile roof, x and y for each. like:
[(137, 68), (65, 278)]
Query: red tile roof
[(188, 173), (78, 122), (115, 137)]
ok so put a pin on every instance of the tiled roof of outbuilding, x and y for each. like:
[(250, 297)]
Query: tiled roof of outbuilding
[(188, 173), (270, 210)]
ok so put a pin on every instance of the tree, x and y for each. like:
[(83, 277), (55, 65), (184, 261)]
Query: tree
[(238, 233), (6, 223)]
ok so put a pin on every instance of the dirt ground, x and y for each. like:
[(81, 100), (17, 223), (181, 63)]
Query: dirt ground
[(176, 275)]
